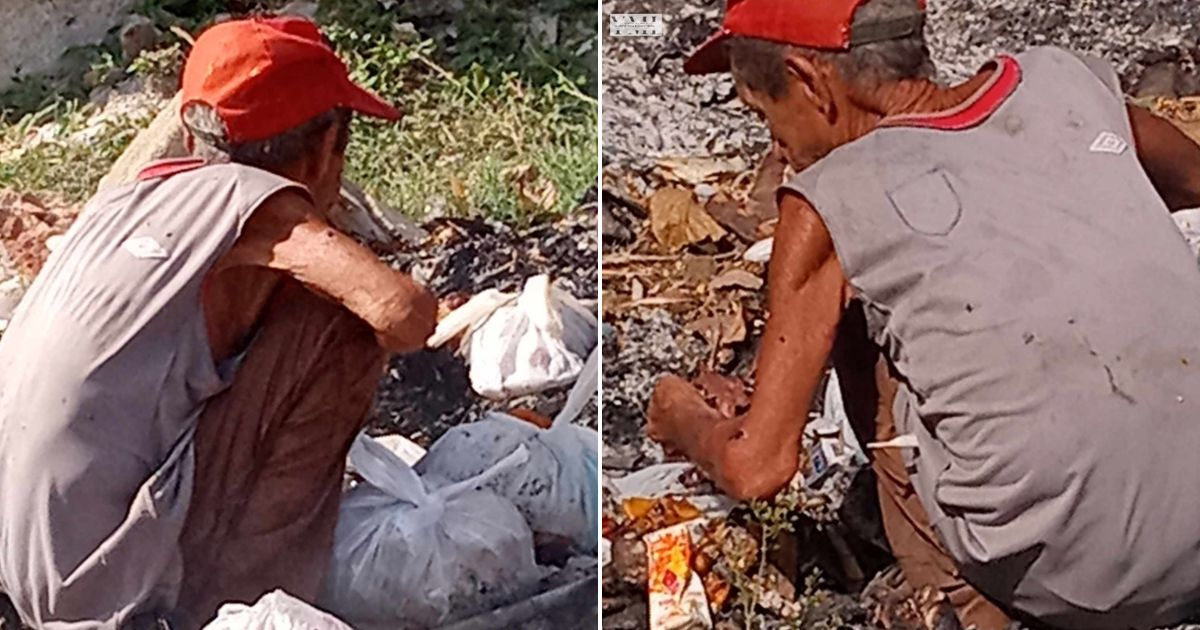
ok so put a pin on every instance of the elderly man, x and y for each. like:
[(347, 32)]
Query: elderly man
[(183, 380), (992, 268)]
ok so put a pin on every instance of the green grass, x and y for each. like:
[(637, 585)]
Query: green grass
[(484, 104)]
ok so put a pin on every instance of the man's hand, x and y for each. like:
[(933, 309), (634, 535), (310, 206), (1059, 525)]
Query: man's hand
[(676, 409), (413, 318), (756, 454)]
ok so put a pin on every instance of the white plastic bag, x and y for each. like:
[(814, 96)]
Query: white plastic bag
[(409, 557), (1188, 222), (556, 490), (274, 611), (521, 344)]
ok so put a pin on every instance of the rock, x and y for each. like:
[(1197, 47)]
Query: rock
[(27, 222), (406, 33), (300, 8), (35, 33), (1160, 79), (138, 35)]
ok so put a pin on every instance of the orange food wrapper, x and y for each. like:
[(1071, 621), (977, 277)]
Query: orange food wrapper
[(676, 593)]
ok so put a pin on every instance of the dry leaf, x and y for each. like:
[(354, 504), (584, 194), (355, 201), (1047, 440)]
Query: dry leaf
[(737, 278), (700, 170), (532, 417), (733, 326), (698, 269), (1184, 113), (761, 201), (677, 220), (535, 193), (729, 214), (726, 393)]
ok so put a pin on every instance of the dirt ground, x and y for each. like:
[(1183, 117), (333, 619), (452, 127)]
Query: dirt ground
[(652, 111)]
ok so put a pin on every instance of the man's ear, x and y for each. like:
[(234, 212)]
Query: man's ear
[(327, 150), (813, 79)]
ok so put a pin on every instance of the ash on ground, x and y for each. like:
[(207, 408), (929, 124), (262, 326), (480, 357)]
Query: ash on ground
[(425, 393), (652, 110)]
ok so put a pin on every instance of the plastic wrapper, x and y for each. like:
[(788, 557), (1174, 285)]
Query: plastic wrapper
[(275, 611), (407, 557), (676, 593), (556, 490), (521, 344)]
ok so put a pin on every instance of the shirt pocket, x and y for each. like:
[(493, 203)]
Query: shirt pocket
[(927, 204)]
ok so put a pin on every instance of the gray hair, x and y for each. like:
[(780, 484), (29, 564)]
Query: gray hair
[(761, 64), (271, 154)]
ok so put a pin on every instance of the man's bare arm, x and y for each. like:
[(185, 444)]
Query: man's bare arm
[(286, 234), (1171, 159), (755, 455)]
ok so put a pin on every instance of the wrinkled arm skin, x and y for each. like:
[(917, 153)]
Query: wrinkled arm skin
[(1171, 160), (286, 234), (757, 454)]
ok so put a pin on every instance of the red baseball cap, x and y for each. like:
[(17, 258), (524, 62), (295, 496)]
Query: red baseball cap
[(264, 76), (823, 24)]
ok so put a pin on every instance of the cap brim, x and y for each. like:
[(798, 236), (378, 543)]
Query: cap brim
[(368, 104), (712, 56)]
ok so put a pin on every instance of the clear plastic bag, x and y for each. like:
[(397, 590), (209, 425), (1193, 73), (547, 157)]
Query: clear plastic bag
[(275, 611), (409, 557), (556, 490), (521, 344)]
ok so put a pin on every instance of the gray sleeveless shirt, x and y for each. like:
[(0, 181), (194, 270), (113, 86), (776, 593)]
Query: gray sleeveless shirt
[(1029, 285), (103, 371)]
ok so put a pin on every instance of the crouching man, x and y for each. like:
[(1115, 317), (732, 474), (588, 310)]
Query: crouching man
[(992, 268), (182, 382)]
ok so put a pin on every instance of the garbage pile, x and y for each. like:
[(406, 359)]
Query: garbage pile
[(456, 531)]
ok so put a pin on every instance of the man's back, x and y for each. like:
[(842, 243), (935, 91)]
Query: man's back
[(1032, 290), (106, 364)]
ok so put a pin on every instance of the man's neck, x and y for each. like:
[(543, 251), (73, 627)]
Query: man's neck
[(918, 96)]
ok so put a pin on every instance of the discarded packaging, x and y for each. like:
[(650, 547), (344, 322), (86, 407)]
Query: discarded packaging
[(835, 457), (521, 344), (405, 554), (274, 611), (556, 489), (677, 598)]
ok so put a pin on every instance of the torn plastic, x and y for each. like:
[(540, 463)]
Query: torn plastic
[(521, 344), (276, 610), (405, 554), (556, 490), (662, 480)]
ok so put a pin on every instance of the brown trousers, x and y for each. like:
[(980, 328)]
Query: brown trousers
[(869, 389), (271, 453)]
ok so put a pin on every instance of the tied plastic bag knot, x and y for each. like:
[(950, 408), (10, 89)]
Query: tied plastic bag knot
[(521, 344), (276, 610), (404, 553), (556, 490)]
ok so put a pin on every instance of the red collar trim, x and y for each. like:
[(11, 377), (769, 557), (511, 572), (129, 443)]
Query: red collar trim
[(167, 168), (973, 111)]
